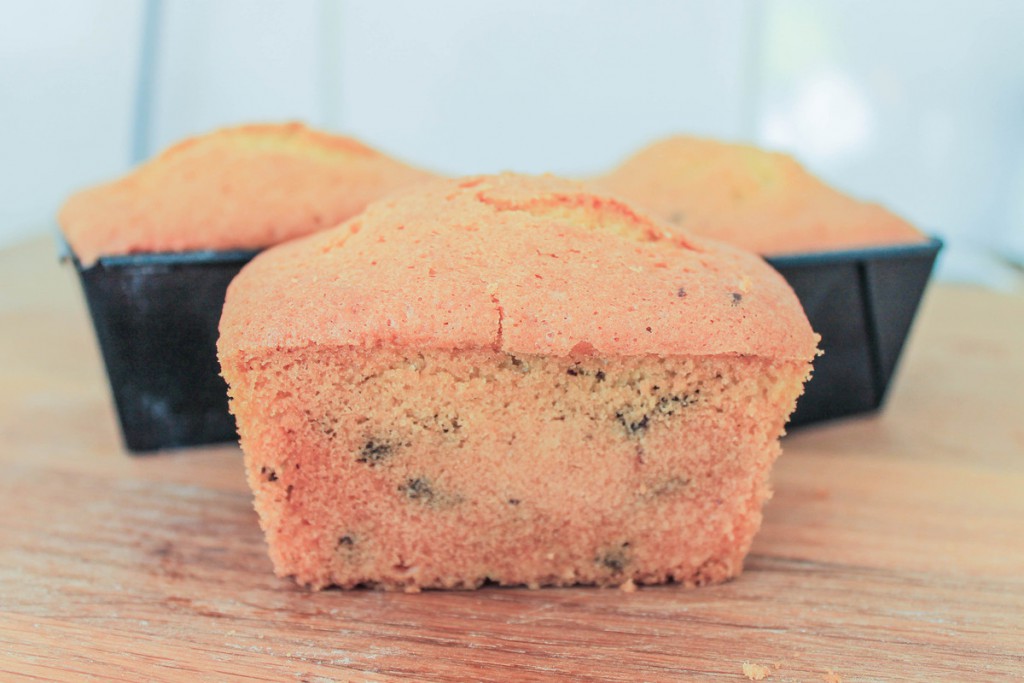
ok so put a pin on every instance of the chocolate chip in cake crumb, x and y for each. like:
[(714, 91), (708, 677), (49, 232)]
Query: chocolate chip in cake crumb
[(736, 298), (374, 452), (667, 405), (425, 492), (639, 426), (681, 292), (519, 363), (268, 473), (636, 418), (577, 371), (417, 488), (324, 423), (346, 541), (514, 501), (616, 563), (633, 427), (447, 425), (664, 487), (615, 559)]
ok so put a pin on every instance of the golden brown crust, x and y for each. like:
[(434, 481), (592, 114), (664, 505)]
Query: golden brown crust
[(238, 188), (518, 264), (758, 200)]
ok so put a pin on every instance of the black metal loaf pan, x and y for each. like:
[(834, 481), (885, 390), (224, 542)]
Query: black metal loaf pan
[(156, 317), (862, 303)]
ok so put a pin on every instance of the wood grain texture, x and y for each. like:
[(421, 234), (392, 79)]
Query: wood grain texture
[(893, 549)]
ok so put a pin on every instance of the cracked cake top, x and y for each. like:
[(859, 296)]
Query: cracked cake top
[(238, 188), (521, 264)]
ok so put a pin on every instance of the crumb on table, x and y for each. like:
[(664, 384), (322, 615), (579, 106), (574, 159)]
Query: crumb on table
[(755, 672)]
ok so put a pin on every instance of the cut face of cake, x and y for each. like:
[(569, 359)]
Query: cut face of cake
[(513, 380), (758, 200), (247, 187)]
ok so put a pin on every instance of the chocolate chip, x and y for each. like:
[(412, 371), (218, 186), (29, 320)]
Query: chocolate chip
[(666, 487), (613, 562), (346, 540), (323, 423), (268, 473), (681, 293), (639, 426), (518, 363), (452, 426), (615, 559), (374, 452), (736, 298), (417, 488), (668, 404), (599, 375), (633, 427)]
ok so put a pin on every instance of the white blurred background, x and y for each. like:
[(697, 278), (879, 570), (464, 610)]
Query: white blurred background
[(918, 105)]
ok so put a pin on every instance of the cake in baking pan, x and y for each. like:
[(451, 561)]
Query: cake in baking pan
[(246, 187), (758, 200)]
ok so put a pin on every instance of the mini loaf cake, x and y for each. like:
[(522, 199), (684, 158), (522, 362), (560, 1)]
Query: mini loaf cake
[(513, 380), (238, 188), (762, 201)]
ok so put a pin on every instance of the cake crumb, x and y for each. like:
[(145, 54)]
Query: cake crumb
[(755, 672), (628, 587), (412, 589), (832, 677)]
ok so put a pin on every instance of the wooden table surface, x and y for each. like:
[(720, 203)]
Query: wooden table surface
[(892, 550)]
